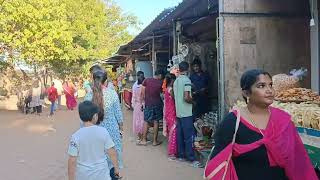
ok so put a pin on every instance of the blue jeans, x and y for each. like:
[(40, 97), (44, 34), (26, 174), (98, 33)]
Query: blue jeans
[(52, 107), (185, 137)]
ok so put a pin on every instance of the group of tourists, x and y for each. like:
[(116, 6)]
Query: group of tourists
[(177, 99), (254, 142), (34, 96)]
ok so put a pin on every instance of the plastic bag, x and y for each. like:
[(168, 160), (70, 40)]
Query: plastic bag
[(282, 82)]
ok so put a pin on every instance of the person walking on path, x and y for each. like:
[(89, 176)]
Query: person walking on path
[(69, 91), (88, 148), (36, 92), (153, 106), (169, 127), (110, 115), (185, 128), (138, 117), (52, 96), (59, 87)]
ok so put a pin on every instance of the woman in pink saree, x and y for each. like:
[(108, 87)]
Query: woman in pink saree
[(267, 145), (170, 129), (138, 117), (69, 91)]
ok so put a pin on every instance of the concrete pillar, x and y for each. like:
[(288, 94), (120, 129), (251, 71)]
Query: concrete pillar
[(314, 37)]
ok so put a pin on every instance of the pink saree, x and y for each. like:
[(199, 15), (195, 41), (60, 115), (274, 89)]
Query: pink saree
[(170, 116), (284, 149), (70, 98)]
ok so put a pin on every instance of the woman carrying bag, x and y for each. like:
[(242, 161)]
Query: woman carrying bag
[(262, 143)]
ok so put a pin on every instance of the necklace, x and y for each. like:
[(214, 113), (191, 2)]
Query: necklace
[(253, 122)]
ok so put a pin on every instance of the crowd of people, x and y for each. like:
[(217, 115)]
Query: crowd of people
[(33, 97), (262, 143), (176, 98)]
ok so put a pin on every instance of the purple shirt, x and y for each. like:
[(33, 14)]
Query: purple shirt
[(153, 90)]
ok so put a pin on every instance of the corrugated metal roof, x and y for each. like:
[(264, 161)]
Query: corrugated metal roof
[(164, 20)]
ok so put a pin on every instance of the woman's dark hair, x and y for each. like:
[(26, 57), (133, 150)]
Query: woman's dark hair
[(169, 78), (196, 61), (99, 78), (249, 78), (95, 68)]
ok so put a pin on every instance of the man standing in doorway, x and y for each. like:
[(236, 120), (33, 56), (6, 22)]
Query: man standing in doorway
[(152, 106), (185, 128), (200, 82)]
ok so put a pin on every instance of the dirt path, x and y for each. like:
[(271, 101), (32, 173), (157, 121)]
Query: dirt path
[(34, 148)]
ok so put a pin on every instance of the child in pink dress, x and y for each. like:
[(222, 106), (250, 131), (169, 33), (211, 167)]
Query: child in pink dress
[(170, 118)]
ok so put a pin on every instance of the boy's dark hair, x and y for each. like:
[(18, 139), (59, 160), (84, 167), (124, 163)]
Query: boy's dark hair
[(184, 66), (87, 110)]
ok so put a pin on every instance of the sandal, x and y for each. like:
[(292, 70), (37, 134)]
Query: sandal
[(196, 164), (157, 144), (140, 143), (172, 158)]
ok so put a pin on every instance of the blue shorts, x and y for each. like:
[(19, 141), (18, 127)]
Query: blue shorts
[(153, 113)]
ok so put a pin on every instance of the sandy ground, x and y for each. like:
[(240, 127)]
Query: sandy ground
[(34, 148)]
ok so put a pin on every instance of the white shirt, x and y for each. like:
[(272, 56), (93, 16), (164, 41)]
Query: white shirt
[(58, 86), (89, 145)]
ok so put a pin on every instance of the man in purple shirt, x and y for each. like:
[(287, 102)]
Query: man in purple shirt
[(152, 106)]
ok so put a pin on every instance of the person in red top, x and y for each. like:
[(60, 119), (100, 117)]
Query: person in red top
[(52, 96)]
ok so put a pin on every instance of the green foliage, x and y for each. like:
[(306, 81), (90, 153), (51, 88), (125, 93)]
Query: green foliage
[(63, 34)]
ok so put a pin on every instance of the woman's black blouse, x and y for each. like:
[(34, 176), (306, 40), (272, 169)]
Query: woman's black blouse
[(253, 165)]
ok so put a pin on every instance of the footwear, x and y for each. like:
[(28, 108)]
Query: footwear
[(157, 144), (140, 143), (172, 158), (181, 160), (196, 164)]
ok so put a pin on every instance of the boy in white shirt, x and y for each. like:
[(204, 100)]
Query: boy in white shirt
[(88, 147)]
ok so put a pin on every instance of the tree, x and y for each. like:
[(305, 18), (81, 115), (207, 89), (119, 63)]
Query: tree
[(63, 33), (37, 30)]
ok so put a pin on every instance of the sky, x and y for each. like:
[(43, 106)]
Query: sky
[(146, 10)]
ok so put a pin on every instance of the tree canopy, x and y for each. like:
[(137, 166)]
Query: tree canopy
[(62, 33)]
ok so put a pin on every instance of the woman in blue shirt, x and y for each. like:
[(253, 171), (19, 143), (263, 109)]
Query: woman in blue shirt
[(110, 114)]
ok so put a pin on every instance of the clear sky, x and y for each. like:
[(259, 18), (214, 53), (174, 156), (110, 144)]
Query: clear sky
[(146, 10)]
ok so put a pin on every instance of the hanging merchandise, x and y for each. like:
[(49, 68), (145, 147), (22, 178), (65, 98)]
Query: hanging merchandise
[(183, 50), (196, 49)]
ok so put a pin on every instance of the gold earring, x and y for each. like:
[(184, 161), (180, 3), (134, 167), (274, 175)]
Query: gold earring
[(248, 99)]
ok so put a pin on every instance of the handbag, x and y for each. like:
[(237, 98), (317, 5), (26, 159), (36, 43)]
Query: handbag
[(221, 166)]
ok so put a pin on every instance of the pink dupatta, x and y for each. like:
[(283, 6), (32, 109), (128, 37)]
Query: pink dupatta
[(284, 146)]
